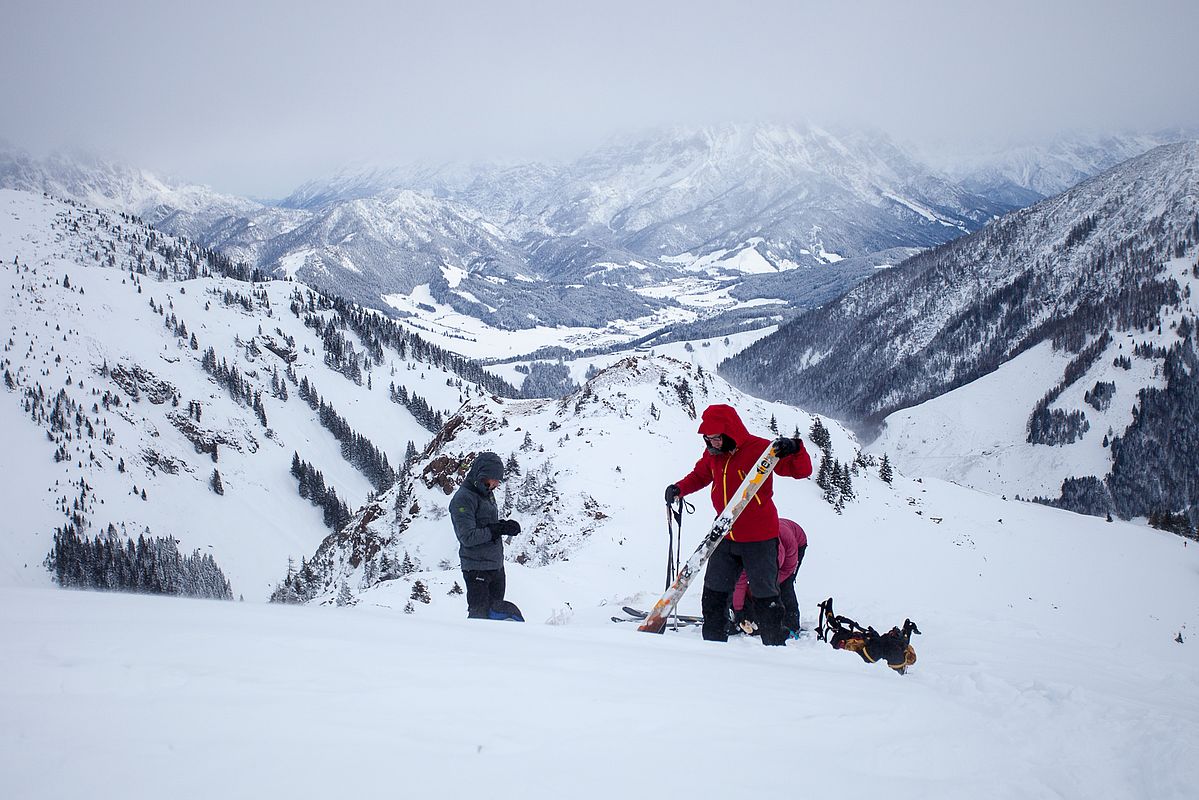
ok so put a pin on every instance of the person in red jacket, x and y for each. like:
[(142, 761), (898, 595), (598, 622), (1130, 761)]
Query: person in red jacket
[(793, 543), (731, 452)]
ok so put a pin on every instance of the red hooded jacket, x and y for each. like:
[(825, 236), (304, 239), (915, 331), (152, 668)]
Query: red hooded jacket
[(725, 471)]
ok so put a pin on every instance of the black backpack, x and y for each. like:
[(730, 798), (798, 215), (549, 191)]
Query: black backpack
[(894, 646)]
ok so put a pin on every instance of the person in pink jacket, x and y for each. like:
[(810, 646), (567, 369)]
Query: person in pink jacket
[(793, 543)]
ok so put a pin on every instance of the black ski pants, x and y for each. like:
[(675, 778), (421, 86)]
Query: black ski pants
[(760, 560), (484, 589)]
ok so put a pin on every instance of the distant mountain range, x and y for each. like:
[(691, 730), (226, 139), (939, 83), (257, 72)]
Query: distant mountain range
[(522, 245), (1108, 263)]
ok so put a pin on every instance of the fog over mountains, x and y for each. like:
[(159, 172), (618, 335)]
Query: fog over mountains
[(528, 244)]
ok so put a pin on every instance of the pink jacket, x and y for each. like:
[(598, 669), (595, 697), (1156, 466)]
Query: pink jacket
[(791, 538)]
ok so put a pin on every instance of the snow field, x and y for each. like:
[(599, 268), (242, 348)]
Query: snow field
[(138, 692), (1048, 666)]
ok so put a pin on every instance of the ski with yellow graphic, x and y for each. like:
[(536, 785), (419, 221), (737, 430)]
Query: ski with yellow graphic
[(656, 621)]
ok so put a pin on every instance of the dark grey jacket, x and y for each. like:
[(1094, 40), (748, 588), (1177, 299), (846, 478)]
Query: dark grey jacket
[(472, 509)]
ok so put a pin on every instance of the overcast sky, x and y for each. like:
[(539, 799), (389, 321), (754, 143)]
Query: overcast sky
[(256, 97)]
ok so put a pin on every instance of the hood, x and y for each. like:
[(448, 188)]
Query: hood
[(723, 419), (485, 465)]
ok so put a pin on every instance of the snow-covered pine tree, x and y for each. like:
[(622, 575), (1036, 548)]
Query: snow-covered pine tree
[(820, 436), (822, 473), (420, 593), (847, 492)]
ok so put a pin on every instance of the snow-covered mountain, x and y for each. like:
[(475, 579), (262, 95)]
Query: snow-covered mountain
[(109, 185), (1051, 640), (1018, 595), (135, 372), (366, 246), (597, 239), (1020, 175), (521, 245), (1089, 272), (798, 195)]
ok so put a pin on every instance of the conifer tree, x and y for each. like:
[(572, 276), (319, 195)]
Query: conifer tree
[(822, 473), (884, 470), (420, 593), (820, 436)]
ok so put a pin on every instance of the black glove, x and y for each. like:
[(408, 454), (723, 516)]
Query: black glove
[(505, 527), (672, 493), (784, 447)]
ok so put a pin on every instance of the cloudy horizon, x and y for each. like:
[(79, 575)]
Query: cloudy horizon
[(255, 99)]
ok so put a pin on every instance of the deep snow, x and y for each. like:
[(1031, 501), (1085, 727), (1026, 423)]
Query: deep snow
[(1048, 666)]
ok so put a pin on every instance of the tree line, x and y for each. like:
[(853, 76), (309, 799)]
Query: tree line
[(151, 565)]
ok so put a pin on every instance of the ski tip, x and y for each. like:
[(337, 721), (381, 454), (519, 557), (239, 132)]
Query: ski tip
[(653, 625)]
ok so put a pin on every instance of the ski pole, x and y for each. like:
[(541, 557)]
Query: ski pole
[(670, 568)]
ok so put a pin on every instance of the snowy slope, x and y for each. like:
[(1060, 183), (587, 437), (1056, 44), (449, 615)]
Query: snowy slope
[(613, 445), (730, 201), (1089, 259), (999, 708), (60, 338), (977, 434), (1028, 172), (1048, 664)]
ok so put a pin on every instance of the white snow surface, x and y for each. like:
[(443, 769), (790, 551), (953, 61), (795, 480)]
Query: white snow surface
[(976, 435), (1046, 670), (1049, 663), (58, 334)]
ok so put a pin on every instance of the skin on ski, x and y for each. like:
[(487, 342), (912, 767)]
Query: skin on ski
[(657, 619)]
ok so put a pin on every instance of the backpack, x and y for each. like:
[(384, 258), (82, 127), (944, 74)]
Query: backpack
[(894, 646)]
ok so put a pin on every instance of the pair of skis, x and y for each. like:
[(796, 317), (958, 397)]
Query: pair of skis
[(656, 620), (637, 615)]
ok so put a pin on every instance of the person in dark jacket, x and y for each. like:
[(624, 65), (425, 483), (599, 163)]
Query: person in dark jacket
[(731, 452), (478, 526)]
